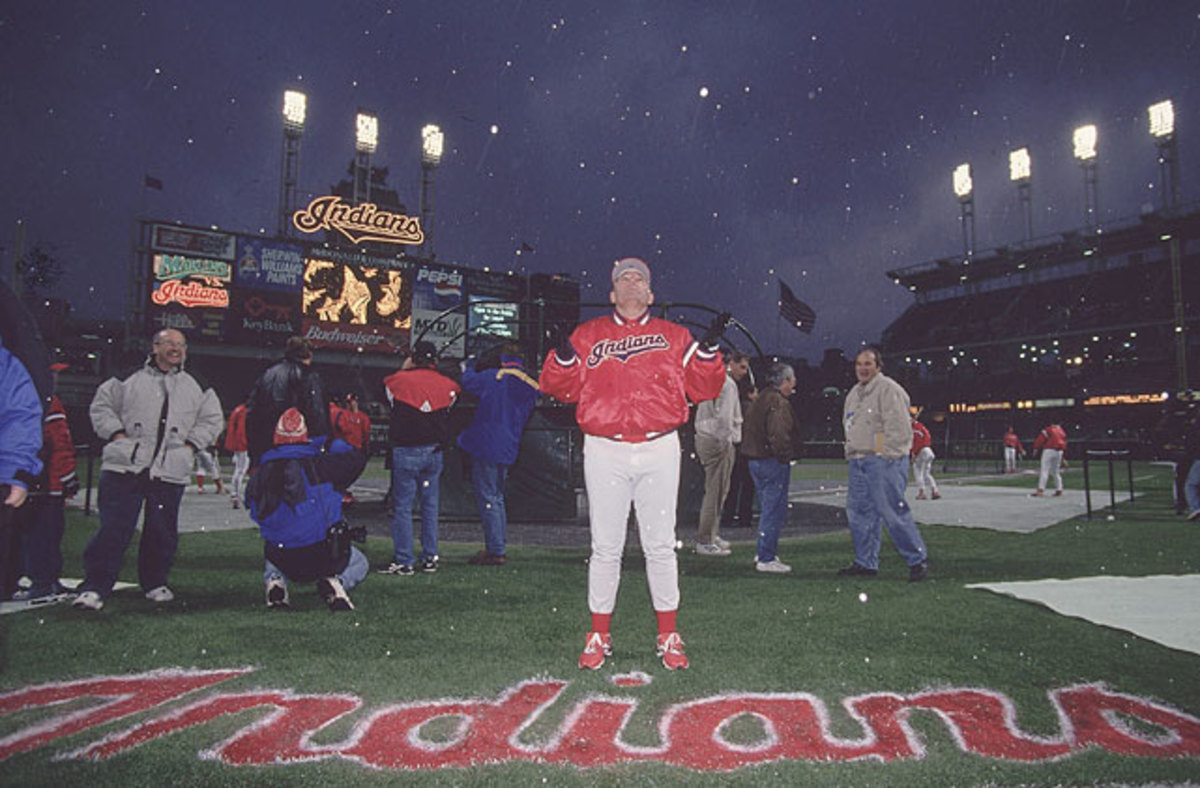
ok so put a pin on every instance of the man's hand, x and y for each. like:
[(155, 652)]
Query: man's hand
[(715, 329), (560, 337), (16, 496)]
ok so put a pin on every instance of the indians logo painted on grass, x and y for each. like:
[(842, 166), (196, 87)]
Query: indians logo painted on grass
[(475, 731)]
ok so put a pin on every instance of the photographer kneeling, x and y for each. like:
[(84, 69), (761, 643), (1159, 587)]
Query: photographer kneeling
[(295, 496)]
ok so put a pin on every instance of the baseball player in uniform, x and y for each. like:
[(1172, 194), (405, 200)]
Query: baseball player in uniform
[(632, 376), (922, 461)]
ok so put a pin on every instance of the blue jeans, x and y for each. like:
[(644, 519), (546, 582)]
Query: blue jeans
[(354, 573), (771, 478), (122, 496), (1191, 488), (875, 499), (487, 479), (415, 468)]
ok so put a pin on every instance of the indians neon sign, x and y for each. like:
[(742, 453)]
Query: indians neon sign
[(471, 732), (358, 223), (190, 294)]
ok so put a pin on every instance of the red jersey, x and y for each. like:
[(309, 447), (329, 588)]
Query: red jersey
[(235, 430), (1012, 441), (1053, 437), (921, 437), (632, 379), (352, 426)]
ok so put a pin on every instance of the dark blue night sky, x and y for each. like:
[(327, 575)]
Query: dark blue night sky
[(727, 143)]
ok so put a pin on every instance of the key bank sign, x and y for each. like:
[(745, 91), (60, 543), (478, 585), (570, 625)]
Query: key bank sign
[(359, 223)]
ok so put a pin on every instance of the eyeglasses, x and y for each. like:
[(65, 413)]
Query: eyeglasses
[(171, 343)]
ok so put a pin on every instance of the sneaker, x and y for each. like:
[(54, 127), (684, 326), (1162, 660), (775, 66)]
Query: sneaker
[(918, 572), (40, 596), (857, 569), (920, 495), (936, 495), (237, 504), (1195, 515), (711, 549), (88, 600), (277, 594), (670, 648), (484, 558), (1057, 493), (774, 566), (429, 565), (331, 591), (1037, 494), (597, 647), (394, 568), (721, 543), (160, 594)]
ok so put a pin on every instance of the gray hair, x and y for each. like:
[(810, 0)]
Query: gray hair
[(777, 373)]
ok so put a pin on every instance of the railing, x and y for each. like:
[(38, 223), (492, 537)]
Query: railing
[(1111, 457)]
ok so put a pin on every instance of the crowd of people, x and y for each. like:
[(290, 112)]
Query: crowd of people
[(633, 378)]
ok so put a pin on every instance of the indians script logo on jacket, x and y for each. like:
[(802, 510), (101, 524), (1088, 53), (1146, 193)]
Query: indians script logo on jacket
[(624, 349)]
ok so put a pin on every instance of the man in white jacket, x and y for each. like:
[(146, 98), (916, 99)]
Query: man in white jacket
[(154, 421), (718, 431)]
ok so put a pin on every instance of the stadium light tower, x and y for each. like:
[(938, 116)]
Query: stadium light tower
[(1020, 172), (366, 139), (1162, 128), (432, 144), (1085, 151), (295, 108), (964, 189)]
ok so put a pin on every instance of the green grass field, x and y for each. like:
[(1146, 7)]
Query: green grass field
[(474, 632)]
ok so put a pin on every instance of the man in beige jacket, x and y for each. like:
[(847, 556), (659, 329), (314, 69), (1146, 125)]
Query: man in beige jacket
[(878, 438)]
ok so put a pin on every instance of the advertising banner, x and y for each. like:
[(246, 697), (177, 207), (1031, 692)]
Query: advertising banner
[(196, 324), (434, 291), (493, 313), (264, 264), (359, 308), (263, 317), (193, 241)]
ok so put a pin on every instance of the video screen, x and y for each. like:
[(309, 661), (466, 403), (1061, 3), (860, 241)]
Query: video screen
[(354, 295)]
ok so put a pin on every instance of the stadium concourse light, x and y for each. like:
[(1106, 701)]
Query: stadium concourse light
[(1020, 172), (1084, 140), (964, 189), (1162, 119), (366, 139), (432, 143), (295, 107)]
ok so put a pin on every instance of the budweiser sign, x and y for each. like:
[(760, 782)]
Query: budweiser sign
[(358, 223), (190, 294), (280, 727)]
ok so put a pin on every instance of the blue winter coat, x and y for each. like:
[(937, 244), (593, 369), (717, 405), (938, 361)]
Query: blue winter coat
[(506, 399), (20, 423), (295, 494)]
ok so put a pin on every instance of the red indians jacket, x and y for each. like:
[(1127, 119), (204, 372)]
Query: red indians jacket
[(1052, 437), (58, 452), (632, 379)]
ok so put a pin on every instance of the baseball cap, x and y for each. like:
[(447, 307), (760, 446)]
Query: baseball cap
[(291, 428), (424, 353), (631, 264)]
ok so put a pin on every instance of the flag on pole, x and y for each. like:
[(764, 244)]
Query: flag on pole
[(794, 310), (152, 183)]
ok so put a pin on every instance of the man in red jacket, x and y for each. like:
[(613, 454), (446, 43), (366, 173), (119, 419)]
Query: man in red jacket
[(1052, 442), (43, 520), (632, 376), (235, 443)]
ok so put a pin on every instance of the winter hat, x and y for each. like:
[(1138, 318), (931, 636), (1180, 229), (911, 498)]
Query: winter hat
[(291, 428), (631, 264)]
